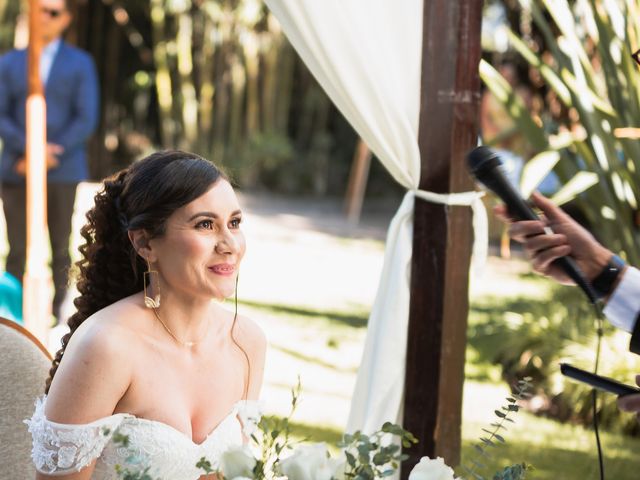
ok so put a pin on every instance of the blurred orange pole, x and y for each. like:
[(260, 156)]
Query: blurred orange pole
[(357, 182), (36, 278), (627, 132)]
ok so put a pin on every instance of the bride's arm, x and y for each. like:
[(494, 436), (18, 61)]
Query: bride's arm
[(93, 376), (253, 341)]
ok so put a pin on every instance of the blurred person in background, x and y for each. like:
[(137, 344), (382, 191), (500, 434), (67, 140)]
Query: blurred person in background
[(10, 297), (68, 75)]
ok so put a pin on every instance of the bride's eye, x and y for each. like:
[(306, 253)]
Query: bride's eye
[(235, 222), (206, 224)]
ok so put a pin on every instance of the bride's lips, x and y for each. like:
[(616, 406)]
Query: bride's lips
[(225, 269)]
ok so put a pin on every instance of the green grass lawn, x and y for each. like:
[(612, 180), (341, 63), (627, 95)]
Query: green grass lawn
[(324, 347), (315, 339), (554, 450), (557, 451)]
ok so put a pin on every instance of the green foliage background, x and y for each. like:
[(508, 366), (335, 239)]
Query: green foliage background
[(581, 52), (215, 77)]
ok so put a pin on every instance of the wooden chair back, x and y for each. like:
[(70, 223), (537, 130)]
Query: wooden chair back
[(24, 368)]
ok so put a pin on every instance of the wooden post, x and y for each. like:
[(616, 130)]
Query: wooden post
[(357, 182), (450, 98), (36, 302)]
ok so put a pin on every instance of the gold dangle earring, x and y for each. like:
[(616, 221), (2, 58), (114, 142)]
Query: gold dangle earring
[(151, 287)]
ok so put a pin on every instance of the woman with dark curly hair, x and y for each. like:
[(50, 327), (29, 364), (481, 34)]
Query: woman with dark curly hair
[(151, 352)]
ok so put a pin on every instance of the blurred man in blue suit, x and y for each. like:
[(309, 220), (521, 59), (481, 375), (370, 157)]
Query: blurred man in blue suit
[(71, 90)]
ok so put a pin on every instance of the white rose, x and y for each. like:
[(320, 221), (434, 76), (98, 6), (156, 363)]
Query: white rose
[(430, 469), (249, 412), (311, 462), (237, 462)]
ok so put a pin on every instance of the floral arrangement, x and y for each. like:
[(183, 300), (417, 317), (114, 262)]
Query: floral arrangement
[(273, 455)]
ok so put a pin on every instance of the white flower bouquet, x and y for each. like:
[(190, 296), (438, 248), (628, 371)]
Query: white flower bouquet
[(271, 453)]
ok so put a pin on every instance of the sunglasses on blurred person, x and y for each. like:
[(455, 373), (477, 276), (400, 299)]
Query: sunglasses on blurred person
[(52, 12)]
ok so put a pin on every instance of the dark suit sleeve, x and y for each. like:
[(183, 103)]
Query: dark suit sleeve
[(12, 135), (85, 108), (634, 345)]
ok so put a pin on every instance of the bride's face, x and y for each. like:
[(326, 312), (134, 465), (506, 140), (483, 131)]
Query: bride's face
[(200, 252)]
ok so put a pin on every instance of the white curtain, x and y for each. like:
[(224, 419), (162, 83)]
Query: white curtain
[(367, 56)]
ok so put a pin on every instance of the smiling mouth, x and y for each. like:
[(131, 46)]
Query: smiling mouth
[(223, 269)]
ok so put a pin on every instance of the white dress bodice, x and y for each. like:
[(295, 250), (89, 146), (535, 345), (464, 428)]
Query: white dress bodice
[(60, 449)]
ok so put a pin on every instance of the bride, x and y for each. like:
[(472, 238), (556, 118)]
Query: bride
[(151, 351)]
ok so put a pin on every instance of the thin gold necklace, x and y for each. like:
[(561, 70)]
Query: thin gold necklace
[(181, 342)]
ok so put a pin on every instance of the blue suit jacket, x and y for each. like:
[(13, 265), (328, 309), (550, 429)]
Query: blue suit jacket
[(72, 111)]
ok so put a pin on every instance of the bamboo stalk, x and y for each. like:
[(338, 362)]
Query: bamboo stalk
[(185, 68), (205, 61), (163, 77), (238, 86), (284, 87), (251, 61), (270, 73)]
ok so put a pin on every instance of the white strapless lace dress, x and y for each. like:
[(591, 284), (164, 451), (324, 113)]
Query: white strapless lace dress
[(60, 449)]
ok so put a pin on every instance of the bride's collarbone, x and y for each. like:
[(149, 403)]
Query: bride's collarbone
[(163, 358), (187, 382)]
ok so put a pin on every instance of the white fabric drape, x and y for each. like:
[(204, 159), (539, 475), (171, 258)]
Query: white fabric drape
[(367, 56)]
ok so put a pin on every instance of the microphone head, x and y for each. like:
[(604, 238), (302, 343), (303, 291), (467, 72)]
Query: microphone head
[(481, 160)]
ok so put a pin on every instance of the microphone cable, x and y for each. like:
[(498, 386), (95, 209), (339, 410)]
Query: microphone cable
[(594, 393)]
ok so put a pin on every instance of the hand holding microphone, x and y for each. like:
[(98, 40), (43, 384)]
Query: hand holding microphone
[(553, 236), (556, 244)]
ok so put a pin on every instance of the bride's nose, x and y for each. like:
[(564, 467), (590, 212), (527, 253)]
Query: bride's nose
[(227, 244)]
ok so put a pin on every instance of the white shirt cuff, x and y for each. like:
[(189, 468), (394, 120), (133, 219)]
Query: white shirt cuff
[(623, 306)]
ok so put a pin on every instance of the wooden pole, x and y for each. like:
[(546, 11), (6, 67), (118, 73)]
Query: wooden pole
[(450, 98), (357, 182), (36, 279)]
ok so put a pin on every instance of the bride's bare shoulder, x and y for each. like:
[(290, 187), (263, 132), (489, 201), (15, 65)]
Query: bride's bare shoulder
[(116, 323), (250, 335), (96, 368), (253, 341)]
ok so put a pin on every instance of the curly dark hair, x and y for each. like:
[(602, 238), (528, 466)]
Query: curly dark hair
[(142, 196)]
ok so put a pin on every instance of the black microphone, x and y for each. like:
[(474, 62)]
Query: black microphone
[(486, 167)]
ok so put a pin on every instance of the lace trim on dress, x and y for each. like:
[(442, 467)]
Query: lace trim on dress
[(60, 449)]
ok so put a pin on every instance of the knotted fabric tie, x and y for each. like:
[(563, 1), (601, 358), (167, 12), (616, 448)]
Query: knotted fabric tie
[(480, 221)]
